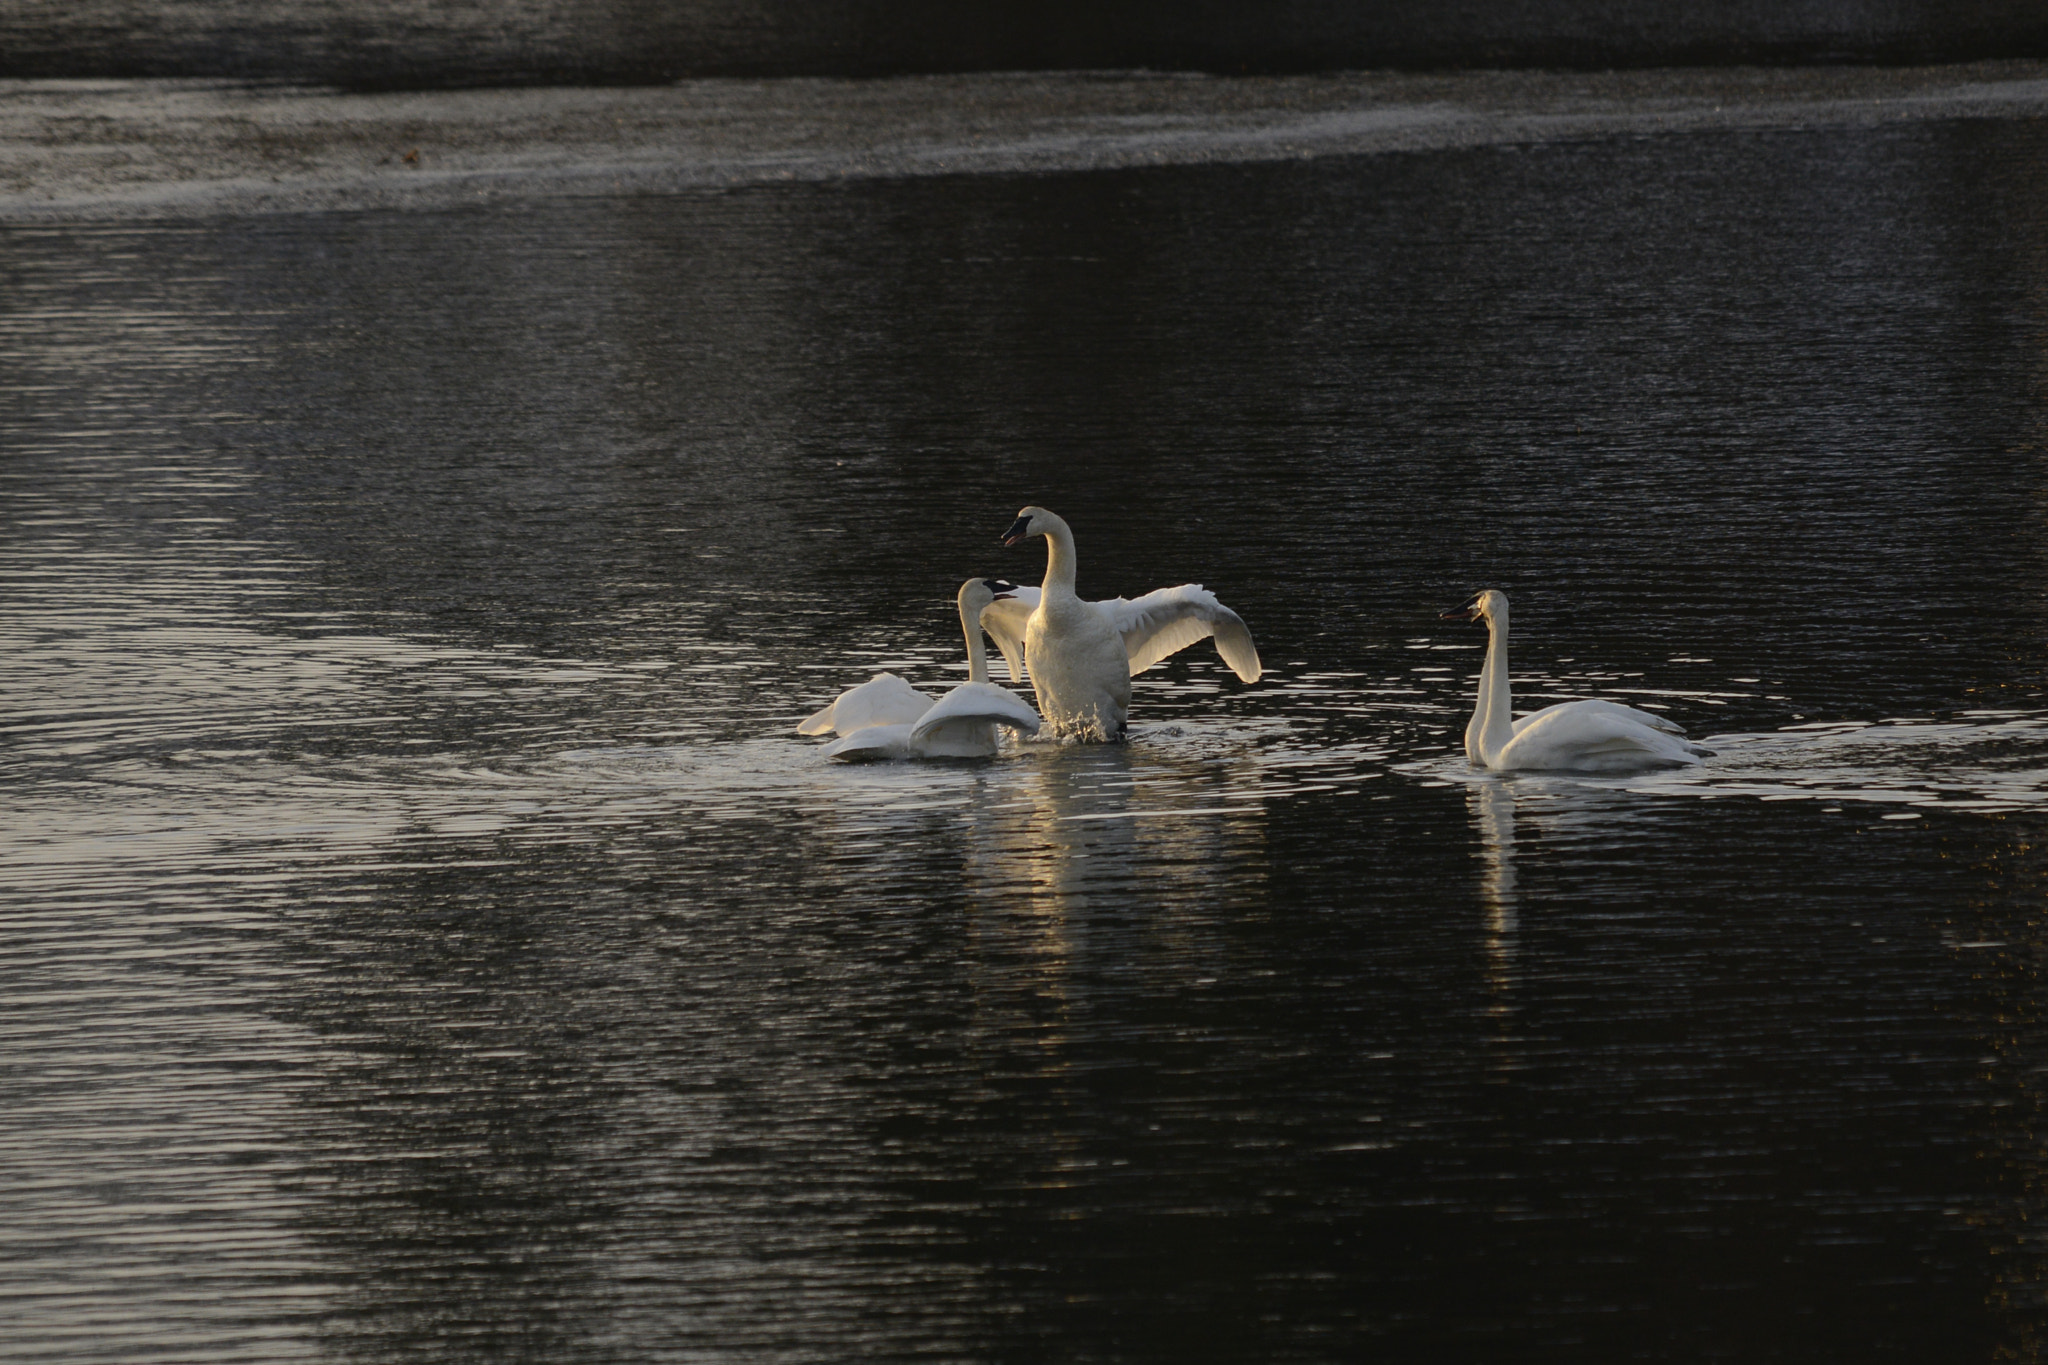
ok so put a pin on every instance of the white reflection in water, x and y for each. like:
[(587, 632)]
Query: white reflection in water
[(1073, 827), (1492, 804)]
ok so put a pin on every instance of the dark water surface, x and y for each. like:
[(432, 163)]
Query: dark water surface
[(426, 44), (422, 935)]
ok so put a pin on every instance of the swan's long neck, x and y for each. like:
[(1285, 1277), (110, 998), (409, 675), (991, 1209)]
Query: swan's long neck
[(1059, 559), (1493, 718), (977, 652)]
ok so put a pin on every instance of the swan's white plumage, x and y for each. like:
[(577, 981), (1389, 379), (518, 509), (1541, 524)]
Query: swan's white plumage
[(1153, 627), (874, 742), (1649, 718), (1587, 737), (974, 703), (1006, 620), (884, 699), (1169, 620), (961, 724), (1081, 655), (1576, 736)]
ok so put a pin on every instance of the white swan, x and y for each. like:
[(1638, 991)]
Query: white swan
[(1578, 736), (961, 724), (1081, 656)]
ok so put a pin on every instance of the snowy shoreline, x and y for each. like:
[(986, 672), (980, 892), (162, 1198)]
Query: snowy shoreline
[(179, 149)]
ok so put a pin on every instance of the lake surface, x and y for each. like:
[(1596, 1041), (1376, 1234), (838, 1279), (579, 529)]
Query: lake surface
[(420, 44), (423, 935)]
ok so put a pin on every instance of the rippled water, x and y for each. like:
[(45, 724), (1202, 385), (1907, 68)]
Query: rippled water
[(424, 936)]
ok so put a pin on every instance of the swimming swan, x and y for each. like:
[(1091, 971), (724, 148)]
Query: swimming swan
[(961, 724), (1579, 736), (1081, 656)]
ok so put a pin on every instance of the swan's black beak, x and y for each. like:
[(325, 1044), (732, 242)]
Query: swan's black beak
[(1019, 529), (997, 586), (1467, 610)]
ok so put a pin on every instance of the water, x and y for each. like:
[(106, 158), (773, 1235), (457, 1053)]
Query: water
[(422, 45), (424, 936)]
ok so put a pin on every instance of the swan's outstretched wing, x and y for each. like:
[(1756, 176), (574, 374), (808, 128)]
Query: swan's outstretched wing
[(1153, 626), (1004, 619), (872, 742), (1649, 718), (884, 699), (982, 703), (1588, 736), (1169, 620)]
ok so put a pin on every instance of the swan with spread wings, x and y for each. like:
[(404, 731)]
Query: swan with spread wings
[(1081, 656)]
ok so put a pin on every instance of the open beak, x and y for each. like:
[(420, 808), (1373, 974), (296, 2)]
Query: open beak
[(1467, 610), (1019, 528), (1001, 589)]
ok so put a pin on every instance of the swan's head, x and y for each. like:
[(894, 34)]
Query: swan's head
[(1487, 604), (977, 593), (1032, 521)]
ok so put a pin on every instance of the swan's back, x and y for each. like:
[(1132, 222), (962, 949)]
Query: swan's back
[(1593, 737), (884, 699), (1646, 718)]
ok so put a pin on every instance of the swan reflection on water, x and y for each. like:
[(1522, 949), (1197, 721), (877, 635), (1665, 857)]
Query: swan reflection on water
[(1092, 872), (1088, 829), (1492, 805), (1117, 852)]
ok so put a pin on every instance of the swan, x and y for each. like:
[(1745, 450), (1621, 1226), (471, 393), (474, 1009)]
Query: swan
[(1081, 656), (1580, 736), (961, 724)]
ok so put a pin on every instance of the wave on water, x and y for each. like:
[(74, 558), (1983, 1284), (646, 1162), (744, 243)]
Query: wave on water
[(1980, 761)]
